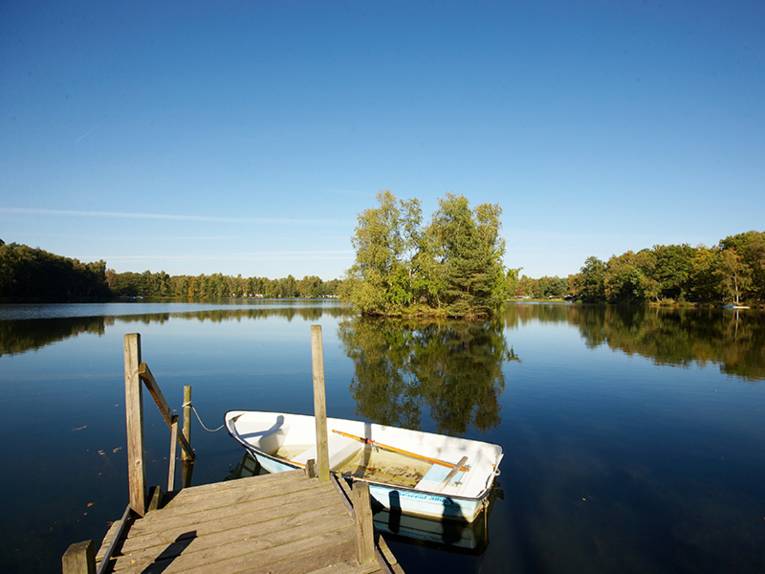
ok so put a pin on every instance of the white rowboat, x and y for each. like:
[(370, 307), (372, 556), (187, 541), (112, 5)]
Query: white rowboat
[(416, 473)]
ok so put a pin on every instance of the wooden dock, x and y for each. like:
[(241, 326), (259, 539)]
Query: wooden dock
[(283, 524), (296, 522)]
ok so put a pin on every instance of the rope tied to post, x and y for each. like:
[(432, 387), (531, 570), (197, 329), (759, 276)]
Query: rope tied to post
[(202, 424)]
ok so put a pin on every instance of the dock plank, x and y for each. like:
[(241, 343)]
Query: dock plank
[(222, 532), (284, 523)]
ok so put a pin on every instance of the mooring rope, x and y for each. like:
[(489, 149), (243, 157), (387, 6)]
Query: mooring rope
[(204, 426)]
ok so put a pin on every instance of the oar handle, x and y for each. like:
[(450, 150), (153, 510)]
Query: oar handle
[(438, 461)]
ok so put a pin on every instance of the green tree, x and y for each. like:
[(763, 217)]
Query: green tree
[(380, 280), (625, 281), (469, 250), (592, 280), (750, 247), (734, 274), (453, 267), (672, 270)]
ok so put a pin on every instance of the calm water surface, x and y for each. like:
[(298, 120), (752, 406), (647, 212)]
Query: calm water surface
[(634, 438)]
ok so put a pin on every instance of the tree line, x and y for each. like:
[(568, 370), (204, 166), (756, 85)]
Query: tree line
[(452, 266), (27, 273), (216, 286), (733, 271), (32, 274)]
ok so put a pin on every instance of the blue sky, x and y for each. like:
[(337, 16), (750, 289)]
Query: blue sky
[(246, 137)]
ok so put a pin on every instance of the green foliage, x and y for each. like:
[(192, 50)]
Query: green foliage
[(627, 278), (732, 271), (33, 274), (451, 267), (590, 282), (750, 247), (216, 286)]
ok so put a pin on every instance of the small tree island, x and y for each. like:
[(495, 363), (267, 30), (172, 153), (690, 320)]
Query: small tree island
[(452, 267)]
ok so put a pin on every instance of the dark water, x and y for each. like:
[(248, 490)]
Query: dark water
[(634, 438)]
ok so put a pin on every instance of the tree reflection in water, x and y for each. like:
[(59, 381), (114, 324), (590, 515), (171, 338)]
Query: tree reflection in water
[(453, 367), (733, 340)]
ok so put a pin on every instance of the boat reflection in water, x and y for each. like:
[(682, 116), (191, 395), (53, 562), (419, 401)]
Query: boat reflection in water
[(452, 535)]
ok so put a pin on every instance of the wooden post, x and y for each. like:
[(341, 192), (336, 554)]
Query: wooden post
[(187, 470), (365, 534), (155, 498), (310, 468), (171, 461), (79, 558), (319, 403), (186, 419), (134, 420)]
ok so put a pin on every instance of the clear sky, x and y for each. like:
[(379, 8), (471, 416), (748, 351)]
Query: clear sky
[(246, 137)]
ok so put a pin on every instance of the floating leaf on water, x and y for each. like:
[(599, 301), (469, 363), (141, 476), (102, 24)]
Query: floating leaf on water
[(83, 427)]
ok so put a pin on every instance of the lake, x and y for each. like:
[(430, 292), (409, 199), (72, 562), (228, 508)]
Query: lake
[(634, 438)]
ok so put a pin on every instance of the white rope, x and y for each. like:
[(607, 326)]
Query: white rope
[(204, 426)]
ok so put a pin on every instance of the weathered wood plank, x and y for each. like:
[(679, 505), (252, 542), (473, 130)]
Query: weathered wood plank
[(79, 558), (292, 558), (224, 518), (156, 393), (255, 536), (112, 540), (205, 490), (344, 489), (387, 556), (134, 422), (365, 541), (187, 423), (343, 568), (164, 409), (171, 456), (319, 403), (201, 506), (155, 499)]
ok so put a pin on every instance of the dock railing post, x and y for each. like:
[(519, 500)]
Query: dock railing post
[(171, 460), (186, 419), (79, 558), (187, 463), (365, 536), (319, 403), (134, 423)]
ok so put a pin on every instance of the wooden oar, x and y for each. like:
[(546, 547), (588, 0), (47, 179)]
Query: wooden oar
[(463, 468)]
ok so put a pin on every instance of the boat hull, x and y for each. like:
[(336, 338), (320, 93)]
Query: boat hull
[(403, 500)]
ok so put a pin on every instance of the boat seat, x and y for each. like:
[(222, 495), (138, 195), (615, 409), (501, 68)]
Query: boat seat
[(433, 481), (340, 450)]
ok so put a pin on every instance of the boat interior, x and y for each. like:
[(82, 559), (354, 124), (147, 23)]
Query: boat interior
[(385, 455)]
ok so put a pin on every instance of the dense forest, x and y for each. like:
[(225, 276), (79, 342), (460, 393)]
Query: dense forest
[(30, 274), (27, 273), (216, 286), (451, 267), (733, 271)]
